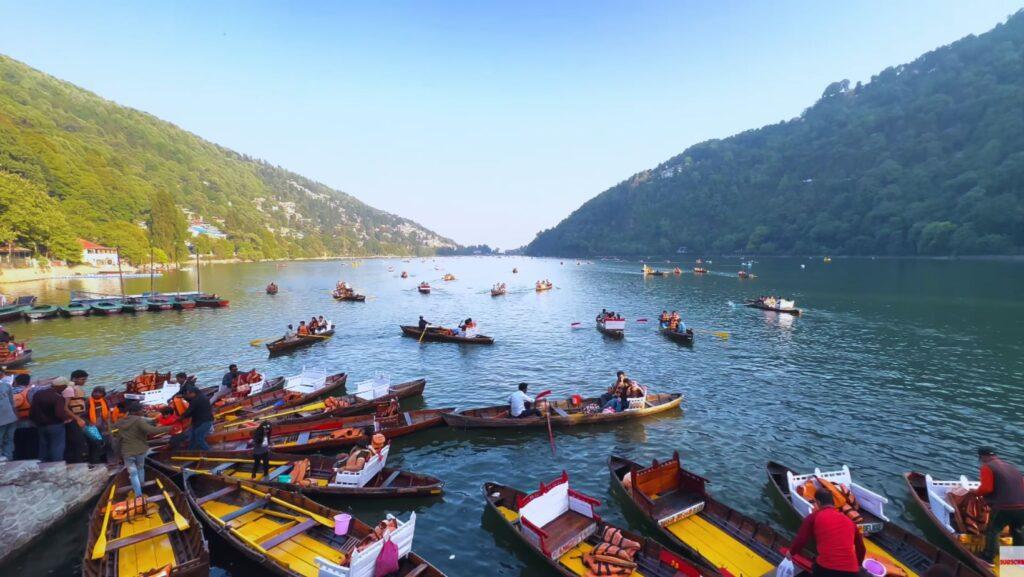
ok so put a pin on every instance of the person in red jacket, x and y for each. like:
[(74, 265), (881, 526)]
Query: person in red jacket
[(839, 544), (1002, 486)]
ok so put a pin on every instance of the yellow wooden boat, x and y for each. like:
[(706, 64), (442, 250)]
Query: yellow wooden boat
[(153, 535), (294, 536)]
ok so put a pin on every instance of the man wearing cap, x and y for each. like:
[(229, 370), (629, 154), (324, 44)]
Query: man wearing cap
[(8, 416), (49, 412), (1002, 486)]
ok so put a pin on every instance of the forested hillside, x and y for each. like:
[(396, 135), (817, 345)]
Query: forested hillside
[(927, 158), (75, 165)]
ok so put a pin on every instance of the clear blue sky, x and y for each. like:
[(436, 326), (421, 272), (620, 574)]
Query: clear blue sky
[(484, 121)]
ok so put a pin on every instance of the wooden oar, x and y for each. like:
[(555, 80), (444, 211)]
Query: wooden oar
[(318, 518), (720, 334), (258, 342), (179, 519), (423, 333), (551, 434), (100, 548)]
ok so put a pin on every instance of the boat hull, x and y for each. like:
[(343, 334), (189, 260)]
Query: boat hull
[(434, 336), (487, 418), (919, 492), (20, 360), (759, 306), (282, 346), (681, 338)]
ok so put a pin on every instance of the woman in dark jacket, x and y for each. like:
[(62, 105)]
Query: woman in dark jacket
[(261, 449)]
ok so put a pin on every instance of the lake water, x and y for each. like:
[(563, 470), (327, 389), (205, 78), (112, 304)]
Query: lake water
[(896, 364)]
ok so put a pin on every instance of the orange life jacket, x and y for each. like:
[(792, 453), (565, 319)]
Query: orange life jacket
[(179, 405), (843, 499), (21, 404), (104, 410), (115, 415), (299, 472), (303, 330)]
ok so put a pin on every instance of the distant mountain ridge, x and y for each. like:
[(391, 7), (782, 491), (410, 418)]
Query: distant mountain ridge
[(926, 158), (105, 164)]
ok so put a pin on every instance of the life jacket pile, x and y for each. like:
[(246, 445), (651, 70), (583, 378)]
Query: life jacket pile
[(614, 555), (333, 403), (147, 382), (299, 471), (970, 512), (842, 497)]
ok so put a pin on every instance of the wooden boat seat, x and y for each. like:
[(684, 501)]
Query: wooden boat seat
[(565, 528), (391, 478), (257, 504), (719, 546), (115, 544), (221, 468), (126, 488), (303, 438), (417, 570), (286, 535), (673, 501), (217, 494), (278, 472)]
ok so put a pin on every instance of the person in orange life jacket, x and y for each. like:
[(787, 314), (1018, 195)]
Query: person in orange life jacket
[(97, 414), (838, 542), (168, 418), (261, 448), (1002, 486), (303, 329)]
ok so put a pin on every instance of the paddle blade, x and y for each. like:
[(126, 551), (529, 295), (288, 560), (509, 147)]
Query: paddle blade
[(641, 320), (722, 335), (542, 395), (575, 325)]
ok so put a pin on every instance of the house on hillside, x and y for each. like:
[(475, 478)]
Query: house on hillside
[(98, 255), (199, 228)]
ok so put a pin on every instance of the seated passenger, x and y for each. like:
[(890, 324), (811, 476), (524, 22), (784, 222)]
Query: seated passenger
[(520, 405)]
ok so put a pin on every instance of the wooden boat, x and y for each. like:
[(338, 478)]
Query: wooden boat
[(405, 274), (39, 312), (498, 290), (448, 277), (105, 308), (283, 345), (930, 495), (677, 271), (211, 301), (541, 287), (424, 288), (700, 270), (609, 327), (358, 403), (16, 309), (159, 303), (134, 305), (827, 259), (19, 359), (163, 533), (331, 433), (348, 297), (883, 539), (681, 338), (151, 389), (720, 539), (756, 304), (272, 289), (289, 392), (183, 303), (562, 413), (515, 271), (744, 274), (437, 335), (291, 535), (561, 526), (74, 309), (374, 481)]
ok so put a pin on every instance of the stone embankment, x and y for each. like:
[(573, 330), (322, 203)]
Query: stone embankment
[(36, 496)]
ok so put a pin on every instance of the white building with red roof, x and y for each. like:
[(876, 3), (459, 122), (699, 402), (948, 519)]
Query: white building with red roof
[(97, 255)]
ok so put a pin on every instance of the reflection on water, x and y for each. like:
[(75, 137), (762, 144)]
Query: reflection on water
[(896, 364)]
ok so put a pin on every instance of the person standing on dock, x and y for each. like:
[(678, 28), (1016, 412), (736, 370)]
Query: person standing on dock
[(76, 444), (50, 412), (226, 384), (838, 541), (97, 414), (8, 416), (1002, 487), (201, 413)]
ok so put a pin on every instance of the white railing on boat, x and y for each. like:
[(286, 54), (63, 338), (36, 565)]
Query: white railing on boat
[(306, 382), (937, 491), (362, 563), (374, 465), (375, 388), (869, 500)]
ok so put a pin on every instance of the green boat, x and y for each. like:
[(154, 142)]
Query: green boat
[(75, 309), (41, 312), (106, 308), (134, 305), (16, 309)]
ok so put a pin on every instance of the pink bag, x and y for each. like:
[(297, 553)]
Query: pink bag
[(387, 560)]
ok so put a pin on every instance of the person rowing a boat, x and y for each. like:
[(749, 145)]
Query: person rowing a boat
[(520, 405), (422, 324), (838, 541), (1002, 487)]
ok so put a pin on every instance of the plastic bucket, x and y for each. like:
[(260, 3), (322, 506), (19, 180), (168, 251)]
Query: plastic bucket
[(341, 522), (874, 568)]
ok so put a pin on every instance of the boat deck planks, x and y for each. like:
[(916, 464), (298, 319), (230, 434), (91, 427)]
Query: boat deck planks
[(149, 554), (719, 547)]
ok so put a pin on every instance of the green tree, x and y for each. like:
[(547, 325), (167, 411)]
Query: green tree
[(167, 224), (35, 219)]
